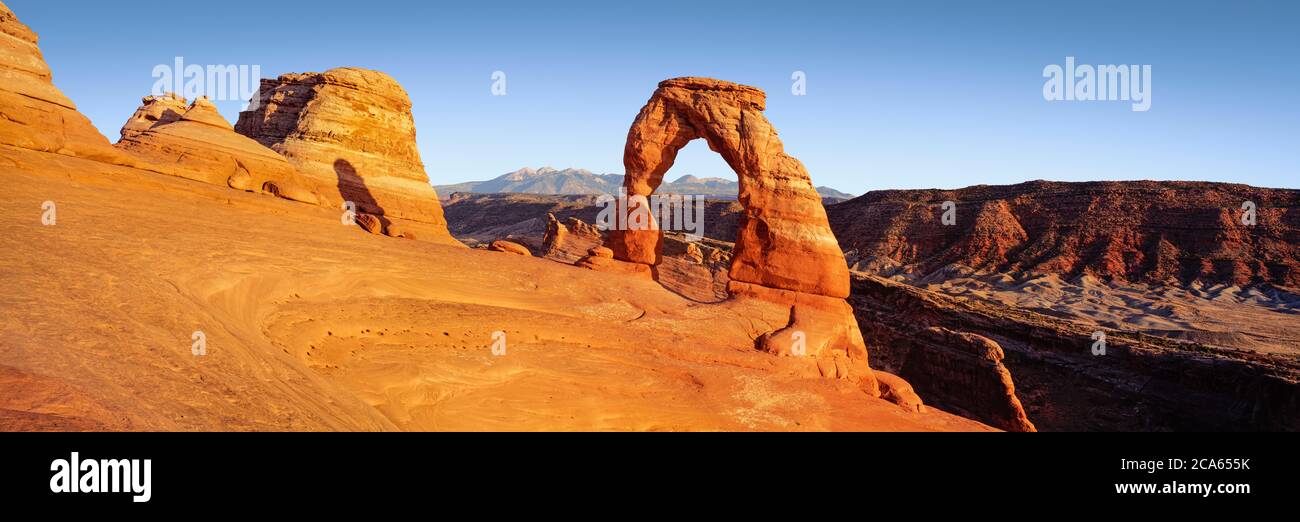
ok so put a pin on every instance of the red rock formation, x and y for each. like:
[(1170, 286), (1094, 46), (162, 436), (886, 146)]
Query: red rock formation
[(783, 240), (571, 240), (350, 132), (34, 114), (1142, 231), (193, 141), (370, 223), (153, 111), (509, 247), (696, 268), (784, 249)]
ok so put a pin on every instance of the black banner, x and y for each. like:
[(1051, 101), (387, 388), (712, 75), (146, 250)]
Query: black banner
[(229, 471)]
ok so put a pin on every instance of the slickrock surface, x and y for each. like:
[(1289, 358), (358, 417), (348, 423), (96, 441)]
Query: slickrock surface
[(311, 325), (350, 130), (1140, 231), (36, 115), (193, 141), (784, 251)]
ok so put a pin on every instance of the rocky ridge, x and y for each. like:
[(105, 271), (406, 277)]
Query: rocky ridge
[(1138, 231)]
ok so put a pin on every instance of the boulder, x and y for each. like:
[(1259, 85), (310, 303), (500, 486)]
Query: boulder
[(396, 230), (370, 223), (568, 240), (509, 247)]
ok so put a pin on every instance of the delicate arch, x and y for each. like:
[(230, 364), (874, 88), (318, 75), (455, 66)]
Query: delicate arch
[(784, 240)]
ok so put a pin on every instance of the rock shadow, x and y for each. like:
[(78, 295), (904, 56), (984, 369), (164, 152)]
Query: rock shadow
[(353, 188)]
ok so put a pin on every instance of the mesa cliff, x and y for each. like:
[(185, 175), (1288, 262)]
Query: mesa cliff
[(1138, 231)]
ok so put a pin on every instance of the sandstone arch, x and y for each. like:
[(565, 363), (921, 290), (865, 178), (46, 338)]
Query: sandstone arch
[(785, 251), (784, 240)]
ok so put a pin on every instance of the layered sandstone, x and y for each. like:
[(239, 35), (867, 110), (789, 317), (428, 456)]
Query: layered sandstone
[(350, 132), (783, 239), (571, 240), (784, 251), (1139, 231), (194, 141), (154, 110), (34, 114), (957, 370)]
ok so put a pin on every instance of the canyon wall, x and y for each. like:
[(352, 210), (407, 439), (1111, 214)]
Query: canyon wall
[(1142, 383), (1168, 231)]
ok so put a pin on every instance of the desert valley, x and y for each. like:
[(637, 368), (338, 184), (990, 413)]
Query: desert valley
[(295, 270)]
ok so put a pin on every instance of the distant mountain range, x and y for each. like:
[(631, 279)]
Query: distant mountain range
[(547, 180)]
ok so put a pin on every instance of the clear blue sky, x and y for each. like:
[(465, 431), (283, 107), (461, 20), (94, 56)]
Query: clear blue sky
[(899, 94)]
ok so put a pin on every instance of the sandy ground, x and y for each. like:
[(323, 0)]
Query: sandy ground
[(313, 325)]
